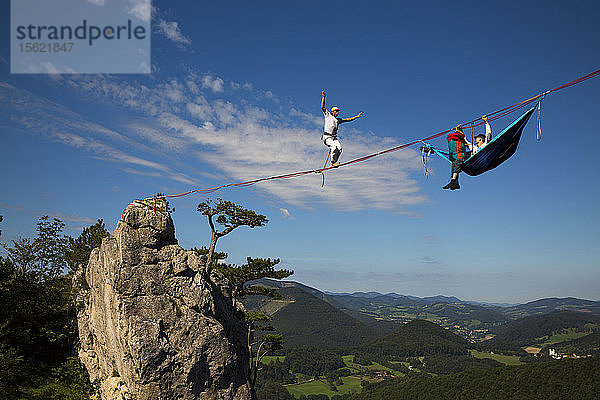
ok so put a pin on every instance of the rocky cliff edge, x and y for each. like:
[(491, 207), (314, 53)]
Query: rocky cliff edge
[(152, 325)]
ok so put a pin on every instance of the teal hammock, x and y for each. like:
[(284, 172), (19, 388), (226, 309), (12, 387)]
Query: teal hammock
[(498, 150)]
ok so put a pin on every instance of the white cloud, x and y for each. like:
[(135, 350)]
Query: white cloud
[(200, 108), (313, 119), (285, 212), (271, 96), (240, 142), (97, 2), (69, 218), (45, 67), (213, 83), (172, 31), (140, 9), (144, 173)]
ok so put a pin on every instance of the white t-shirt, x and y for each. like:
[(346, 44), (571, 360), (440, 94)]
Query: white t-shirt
[(488, 138), (331, 123)]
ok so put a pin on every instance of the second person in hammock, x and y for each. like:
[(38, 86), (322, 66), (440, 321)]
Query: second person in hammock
[(330, 130)]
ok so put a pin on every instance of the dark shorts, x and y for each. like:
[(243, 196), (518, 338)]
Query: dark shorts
[(457, 166)]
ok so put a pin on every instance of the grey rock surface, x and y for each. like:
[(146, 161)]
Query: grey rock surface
[(152, 325)]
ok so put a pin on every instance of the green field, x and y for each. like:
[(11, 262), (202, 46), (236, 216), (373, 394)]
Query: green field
[(506, 360), (349, 360), (269, 359), (351, 385), (562, 337)]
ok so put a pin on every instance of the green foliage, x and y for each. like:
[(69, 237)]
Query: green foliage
[(37, 319), (217, 256), (271, 390), (501, 358), (79, 249), (69, 381), (12, 370), (536, 329), (589, 344), (363, 359), (231, 215), (276, 371), (417, 338), (340, 397), (529, 328), (270, 343), (51, 247), (396, 366), (43, 258), (445, 364), (314, 397), (255, 268), (391, 310), (564, 379), (312, 361)]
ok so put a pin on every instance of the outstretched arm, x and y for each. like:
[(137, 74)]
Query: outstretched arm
[(323, 101), (352, 118), (488, 129)]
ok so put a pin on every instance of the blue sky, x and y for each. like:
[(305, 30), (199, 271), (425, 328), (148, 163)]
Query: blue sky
[(234, 95)]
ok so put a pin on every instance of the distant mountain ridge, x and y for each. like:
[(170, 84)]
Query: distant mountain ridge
[(540, 306), (429, 299), (372, 314)]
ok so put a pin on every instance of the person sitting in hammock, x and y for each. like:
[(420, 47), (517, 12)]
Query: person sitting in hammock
[(481, 140), (330, 130)]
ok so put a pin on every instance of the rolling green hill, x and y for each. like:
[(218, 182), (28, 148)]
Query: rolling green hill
[(545, 306), (589, 344), (535, 330), (305, 320), (416, 338), (383, 314), (524, 330)]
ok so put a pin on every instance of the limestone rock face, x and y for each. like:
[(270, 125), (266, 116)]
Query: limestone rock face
[(152, 325)]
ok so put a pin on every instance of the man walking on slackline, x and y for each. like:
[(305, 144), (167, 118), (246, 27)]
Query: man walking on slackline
[(330, 130)]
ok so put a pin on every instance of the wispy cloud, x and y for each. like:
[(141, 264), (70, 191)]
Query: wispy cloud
[(171, 30), (14, 208), (60, 124), (213, 83), (140, 9), (69, 218), (235, 138)]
